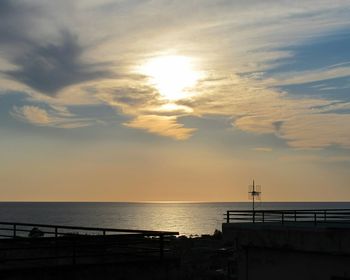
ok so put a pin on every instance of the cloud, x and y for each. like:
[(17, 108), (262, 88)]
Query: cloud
[(55, 117), (304, 123), (33, 114), (50, 68), (316, 158), (14, 18), (303, 77), (162, 125), (305, 128), (239, 47), (317, 131), (133, 97)]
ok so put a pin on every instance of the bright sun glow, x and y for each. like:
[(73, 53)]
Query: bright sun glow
[(171, 75)]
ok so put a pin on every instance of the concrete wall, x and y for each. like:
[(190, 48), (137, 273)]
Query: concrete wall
[(265, 263), (275, 251)]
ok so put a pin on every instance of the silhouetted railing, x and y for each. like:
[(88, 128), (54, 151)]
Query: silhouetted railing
[(28, 243), (287, 216), (15, 230)]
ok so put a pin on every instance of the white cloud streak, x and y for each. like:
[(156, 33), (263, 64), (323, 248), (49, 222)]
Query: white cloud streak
[(55, 117), (302, 77), (162, 125)]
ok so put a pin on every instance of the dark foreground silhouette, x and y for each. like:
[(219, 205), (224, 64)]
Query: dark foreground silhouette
[(268, 244)]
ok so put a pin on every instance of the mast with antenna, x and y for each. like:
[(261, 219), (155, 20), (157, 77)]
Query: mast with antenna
[(254, 194)]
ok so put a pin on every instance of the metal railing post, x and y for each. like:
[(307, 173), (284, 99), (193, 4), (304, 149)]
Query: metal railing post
[(282, 217), (295, 216), (263, 216), (325, 215), (228, 217), (14, 230), (56, 232)]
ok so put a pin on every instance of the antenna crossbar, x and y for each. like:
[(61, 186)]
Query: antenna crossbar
[(254, 193)]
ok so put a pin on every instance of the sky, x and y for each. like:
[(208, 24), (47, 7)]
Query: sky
[(163, 100)]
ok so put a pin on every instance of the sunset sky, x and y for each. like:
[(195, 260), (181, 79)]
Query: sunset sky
[(130, 100)]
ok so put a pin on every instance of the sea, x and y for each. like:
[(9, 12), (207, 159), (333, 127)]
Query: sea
[(190, 219)]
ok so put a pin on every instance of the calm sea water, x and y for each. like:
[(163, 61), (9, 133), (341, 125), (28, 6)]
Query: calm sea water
[(187, 218)]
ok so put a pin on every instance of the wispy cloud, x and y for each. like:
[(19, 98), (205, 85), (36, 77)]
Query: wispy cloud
[(303, 77), (55, 117), (316, 158), (317, 130), (303, 123), (162, 125)]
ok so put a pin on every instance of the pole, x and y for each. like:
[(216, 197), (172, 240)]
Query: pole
[(253, 194)]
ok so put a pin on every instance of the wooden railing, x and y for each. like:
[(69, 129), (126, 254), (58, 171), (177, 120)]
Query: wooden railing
[(287, 216)]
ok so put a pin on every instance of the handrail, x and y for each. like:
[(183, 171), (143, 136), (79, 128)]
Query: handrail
[(77, 250), (74, 244), (290, 215), (292, 210), (97, 229)]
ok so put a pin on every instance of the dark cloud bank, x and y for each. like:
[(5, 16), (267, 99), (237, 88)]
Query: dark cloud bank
[(52, 67), (44, 66)]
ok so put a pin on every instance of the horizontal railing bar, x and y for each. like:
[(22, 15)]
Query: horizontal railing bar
[(289, 215), (292, 217), (10, 229), (290, 210), (146, 232), (98, 239)]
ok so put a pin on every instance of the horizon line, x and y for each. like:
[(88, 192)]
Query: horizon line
[(169, 201)]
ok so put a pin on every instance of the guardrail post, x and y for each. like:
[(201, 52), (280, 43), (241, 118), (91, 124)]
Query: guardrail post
[(282, 218), (14, 230), (56, 232), (263, 216), (104, 232), (295, 216), (325, 215), (228, 217)]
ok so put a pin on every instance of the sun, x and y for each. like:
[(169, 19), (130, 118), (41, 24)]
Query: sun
[(171, 75)]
